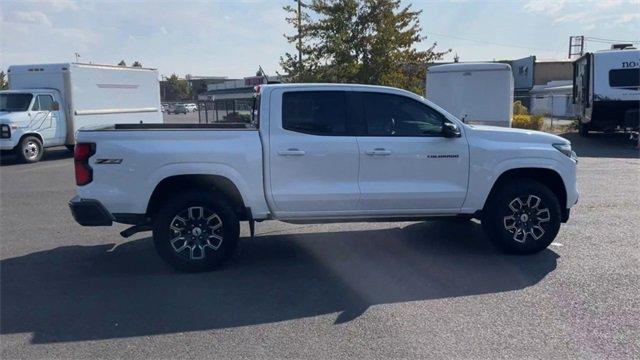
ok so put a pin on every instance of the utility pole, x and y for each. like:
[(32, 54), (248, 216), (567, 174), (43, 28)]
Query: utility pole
[(300, 5)]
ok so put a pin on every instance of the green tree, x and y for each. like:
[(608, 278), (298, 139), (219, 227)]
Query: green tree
[(351, 41), (3, 81), (137, 64), (176, 89), (122, 63)]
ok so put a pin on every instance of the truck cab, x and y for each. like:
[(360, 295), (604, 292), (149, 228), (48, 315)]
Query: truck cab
[(31, 119)]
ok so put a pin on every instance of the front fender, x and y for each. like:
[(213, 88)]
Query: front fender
[(483, 178)]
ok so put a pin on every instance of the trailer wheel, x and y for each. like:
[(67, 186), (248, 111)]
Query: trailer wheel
[(30, 149), (522, 217), (196, 231), (583, 129)]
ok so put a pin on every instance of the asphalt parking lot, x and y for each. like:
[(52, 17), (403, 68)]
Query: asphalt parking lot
[(430, 289)]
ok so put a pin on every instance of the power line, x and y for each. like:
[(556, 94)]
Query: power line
[(494, 43)]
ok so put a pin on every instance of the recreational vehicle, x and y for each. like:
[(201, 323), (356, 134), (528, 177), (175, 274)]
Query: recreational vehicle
[(606, 90)]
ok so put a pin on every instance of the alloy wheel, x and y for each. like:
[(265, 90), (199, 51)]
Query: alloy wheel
[(195, 229), (526, 218)]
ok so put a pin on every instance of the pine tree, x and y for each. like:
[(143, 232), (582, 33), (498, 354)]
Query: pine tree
[(350, 41), (3, 81)]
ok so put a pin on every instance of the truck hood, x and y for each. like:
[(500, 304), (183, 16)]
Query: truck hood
[(496, 133), (14, 117)]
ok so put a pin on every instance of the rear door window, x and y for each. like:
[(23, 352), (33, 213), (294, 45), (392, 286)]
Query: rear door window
[(315, 112)]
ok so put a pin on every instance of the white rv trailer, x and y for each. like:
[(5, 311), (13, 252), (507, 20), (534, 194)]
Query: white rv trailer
[(476, 93), (606, 90), (47, 103)]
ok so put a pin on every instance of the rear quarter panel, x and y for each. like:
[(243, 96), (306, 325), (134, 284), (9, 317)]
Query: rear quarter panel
[(148, 157)]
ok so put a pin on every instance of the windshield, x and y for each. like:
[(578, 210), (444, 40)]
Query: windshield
[(15, 102)]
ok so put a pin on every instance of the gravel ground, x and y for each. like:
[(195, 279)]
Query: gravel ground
[(403, 290)]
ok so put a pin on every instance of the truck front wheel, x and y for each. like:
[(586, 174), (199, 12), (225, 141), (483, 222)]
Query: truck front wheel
[(30, 149), (522, 216), (195, 231)]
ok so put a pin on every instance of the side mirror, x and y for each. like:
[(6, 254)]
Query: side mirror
[(55, 106), (450, 130)]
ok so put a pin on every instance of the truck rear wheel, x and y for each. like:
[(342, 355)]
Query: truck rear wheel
[(30, 149), (522, 216), (196, 231)]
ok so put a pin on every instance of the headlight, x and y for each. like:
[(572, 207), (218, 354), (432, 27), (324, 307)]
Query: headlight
[(5, 131), (566, 149)]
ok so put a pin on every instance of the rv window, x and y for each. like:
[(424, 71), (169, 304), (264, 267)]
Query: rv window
[(624, 78)]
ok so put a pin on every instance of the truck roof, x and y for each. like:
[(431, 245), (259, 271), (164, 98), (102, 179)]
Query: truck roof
[(60, 67), (457, 67), (329, 86)]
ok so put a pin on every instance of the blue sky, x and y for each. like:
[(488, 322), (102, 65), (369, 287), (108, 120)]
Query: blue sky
[(231, 38)]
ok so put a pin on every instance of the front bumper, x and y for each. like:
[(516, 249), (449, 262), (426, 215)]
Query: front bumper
[(7, 144), (90, 212)]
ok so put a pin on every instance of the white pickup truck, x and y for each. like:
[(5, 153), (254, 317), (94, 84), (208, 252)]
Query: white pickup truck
[(321, 153)]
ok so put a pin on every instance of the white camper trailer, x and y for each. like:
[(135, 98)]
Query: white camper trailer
[(47, 103), (606, 90), (480, 93)]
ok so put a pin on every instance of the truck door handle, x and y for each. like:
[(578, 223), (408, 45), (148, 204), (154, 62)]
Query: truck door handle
[(291, 152), (378, 151)]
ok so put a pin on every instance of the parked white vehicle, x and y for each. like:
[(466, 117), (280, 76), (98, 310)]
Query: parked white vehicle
[(47, 103), (606, 90), (321, 153), (477, 93), (191, 107)]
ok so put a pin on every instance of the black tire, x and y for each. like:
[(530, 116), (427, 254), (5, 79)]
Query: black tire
[(70, 147), (583, 129), (29, 150), (212, 258), (518, 232)]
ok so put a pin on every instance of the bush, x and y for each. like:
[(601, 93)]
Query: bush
[(519, 109), (532, 122)]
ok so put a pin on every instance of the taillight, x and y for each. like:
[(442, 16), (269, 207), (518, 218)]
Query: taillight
[(81, 155)]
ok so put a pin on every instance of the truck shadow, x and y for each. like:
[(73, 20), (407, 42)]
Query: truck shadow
[(50, 154), (78, 293), (614, 145)]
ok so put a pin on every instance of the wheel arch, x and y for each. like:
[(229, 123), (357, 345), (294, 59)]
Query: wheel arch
[(34, 134), (548, 177), (217, 184)]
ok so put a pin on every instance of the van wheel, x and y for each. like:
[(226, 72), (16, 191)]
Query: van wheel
[(522, 217), (583, 129), (29, 150), (196, 231)]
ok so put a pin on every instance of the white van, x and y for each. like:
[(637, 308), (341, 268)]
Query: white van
[(47, 103), (476, 93)]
